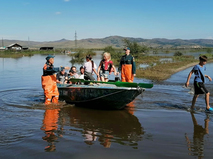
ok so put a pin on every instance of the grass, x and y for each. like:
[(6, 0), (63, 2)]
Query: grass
[(162, 71), (156, 71), (18, 54)]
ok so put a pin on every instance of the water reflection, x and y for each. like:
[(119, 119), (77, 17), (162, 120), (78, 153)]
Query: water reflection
[(196, 146), (50, 126), (95, 126), (131, 107), (105, 127)]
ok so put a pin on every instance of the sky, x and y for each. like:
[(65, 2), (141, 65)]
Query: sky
[(51, 20)]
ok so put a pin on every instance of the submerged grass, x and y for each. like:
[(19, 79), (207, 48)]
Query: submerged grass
[(163, 70), (18, 54)]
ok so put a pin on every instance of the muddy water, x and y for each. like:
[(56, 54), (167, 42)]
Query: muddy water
[(155, 125)]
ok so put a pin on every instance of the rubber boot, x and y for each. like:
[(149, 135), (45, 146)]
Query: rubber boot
[(47, 101), (55, 100)]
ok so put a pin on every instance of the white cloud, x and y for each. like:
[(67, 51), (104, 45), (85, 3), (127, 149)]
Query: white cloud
[(57, 13), (66, 0)]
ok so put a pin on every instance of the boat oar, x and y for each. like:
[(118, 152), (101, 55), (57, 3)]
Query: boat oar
[(145, 85), (117, 83)]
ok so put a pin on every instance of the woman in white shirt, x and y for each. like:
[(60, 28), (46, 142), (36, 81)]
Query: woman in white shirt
[(89, 67)]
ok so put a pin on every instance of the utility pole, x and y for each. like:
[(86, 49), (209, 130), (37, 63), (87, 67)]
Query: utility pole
[(2, 42), (28, 42), (75, 39)]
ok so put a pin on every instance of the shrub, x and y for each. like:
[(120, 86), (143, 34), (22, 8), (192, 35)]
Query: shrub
[(178, 53)]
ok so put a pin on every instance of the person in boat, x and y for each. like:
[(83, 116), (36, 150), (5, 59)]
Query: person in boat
[(106, 67), (62, 77), (48, 80), (127, 66), (73, 71), (81, 72), (199, 80), (90, 67)]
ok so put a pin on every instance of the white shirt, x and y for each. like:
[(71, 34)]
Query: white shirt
[(88, 66), (81, 76)]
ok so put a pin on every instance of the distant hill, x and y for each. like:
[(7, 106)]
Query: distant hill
[(115, 41)]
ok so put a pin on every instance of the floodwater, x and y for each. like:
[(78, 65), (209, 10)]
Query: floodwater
[(155, 125)]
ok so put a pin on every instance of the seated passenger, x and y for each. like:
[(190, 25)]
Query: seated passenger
[(81, 72), (74, 72), (71, 74), (62, 77)]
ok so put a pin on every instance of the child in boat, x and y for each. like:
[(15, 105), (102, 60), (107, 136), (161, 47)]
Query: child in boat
[(106, 67), (90, 67), (199, 80), (62, 77)]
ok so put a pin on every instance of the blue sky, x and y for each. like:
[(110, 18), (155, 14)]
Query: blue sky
[(50, 20)]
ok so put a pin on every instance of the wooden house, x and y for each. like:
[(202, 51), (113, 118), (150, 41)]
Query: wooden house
[(15, 46)]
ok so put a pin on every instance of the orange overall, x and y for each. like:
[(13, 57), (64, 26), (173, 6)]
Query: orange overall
[(50, 89), (127, 68), (126, 73), (48, 81)]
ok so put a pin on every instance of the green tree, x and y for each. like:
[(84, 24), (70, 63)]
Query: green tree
[(209, 50), (178, 53), (115, 54), (136, 49)]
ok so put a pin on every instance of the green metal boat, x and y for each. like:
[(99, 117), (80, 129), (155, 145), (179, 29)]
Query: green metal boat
[(99, 96)]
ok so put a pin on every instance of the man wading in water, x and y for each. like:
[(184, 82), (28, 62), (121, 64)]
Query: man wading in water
[(199, 80), (48, 80)]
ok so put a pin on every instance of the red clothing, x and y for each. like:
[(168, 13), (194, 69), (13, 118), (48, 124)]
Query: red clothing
[(106, 65)]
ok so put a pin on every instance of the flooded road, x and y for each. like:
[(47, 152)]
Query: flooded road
[(155, 125)]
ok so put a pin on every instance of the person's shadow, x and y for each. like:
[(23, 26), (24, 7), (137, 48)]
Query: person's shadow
[(196, 147)]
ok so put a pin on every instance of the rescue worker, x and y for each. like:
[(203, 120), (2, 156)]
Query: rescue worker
[(127, 67), (48, 80)]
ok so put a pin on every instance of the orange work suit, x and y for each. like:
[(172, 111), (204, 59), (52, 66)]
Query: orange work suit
[(48, 81), (50, 89), (126, 73)]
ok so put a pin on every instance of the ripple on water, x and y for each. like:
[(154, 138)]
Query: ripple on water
[(21, 97), (16, 107)]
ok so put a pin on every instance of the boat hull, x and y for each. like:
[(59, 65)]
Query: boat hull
[(102, 96)]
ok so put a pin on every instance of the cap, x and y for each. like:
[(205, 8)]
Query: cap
[(126, 48), (49, 57)]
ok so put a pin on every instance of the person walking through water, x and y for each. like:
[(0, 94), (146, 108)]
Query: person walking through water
[(48, 80), (199, 80), (127, 66), (89, 67)]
